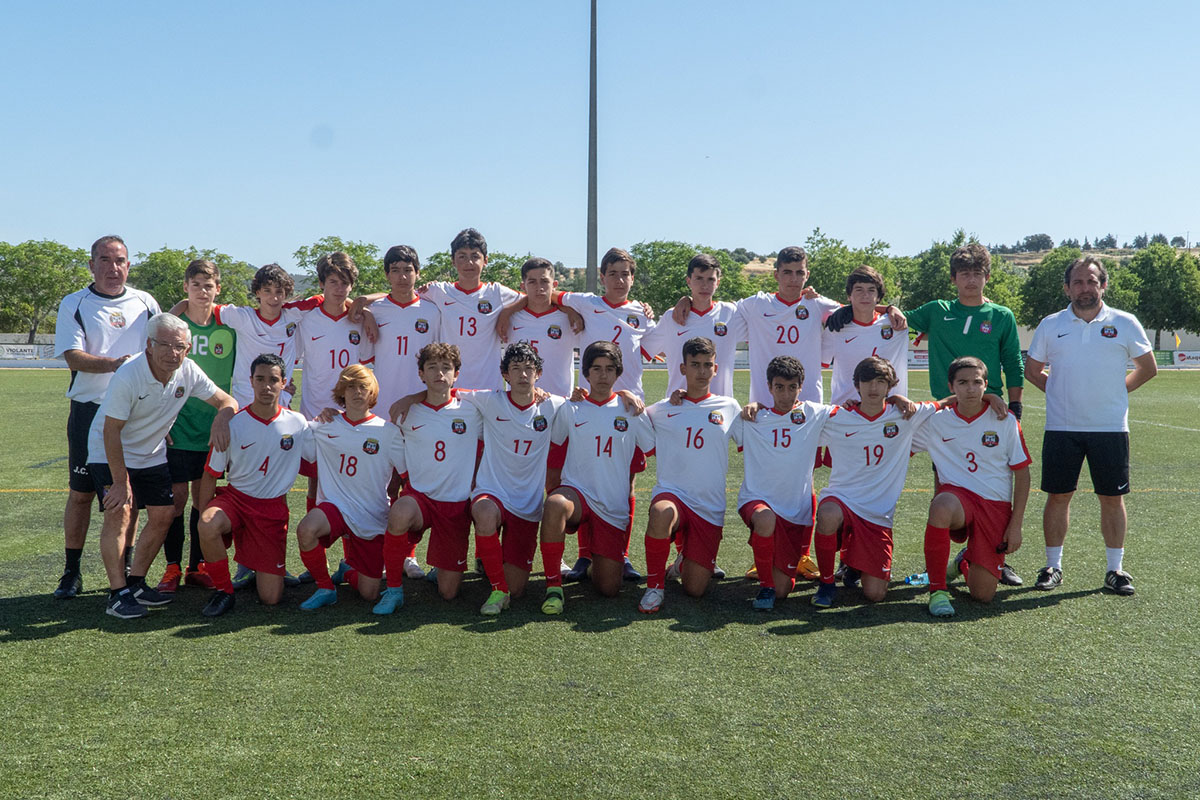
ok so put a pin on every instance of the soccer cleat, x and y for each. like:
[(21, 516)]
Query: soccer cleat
[(956, 566), (170, 580), (479, 568), (123, 606), (218, 604), (304, 577), (339, 576), (765, 600), (1009, 576), (431, 576), (290, 580), (1048, 578), (198, 577), (563, 569), (391, 599), (1119, 581), (718, 573), (826, 592), (578, 572), (320, 598), (150, 597), (851, 577), (497, 601), (69, 585), (807, 569), (673, 569), (412, 569), (243, 578), (752, 573), (553, 604), (652, 601), (629, 573), (940, 605)]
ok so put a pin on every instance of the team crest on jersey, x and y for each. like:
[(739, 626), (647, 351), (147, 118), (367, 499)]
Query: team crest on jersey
[(620, 424), (801, 312), (421, 326), (990, 439), (286, 443), (218, 349), (719, 329), (290, 329), (116, 319), (539, 423), (371, 446), (715, 417), (891, 430), (985, 327), (554, 332), (459, 426), (178, 392), (798, 417), (1108, 332), (632, 321), (886, 332), (354, 337), (484, 307)]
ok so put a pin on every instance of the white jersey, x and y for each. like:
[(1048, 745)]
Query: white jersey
[(779, 452), (328, 345), (551, 336), (148, 408), (516, 442), (440, 443), (100, 325), (979, 454), (870, 459), (1085, 390), (602, 439), (691, 446), (257, 336), (355, 461), (776, 328), (856, 341), (469, 321), (404, 328), (623, 324), (721, 324), (263, 458)]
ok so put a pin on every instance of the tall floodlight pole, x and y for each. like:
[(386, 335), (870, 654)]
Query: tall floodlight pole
[(591, 212)]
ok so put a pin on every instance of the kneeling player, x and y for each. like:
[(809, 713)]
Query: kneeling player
[(593, 498), (355, 455), (983, 468), (251, 511)]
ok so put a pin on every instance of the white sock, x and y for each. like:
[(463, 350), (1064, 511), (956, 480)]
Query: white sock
[(1114, 555), (1054, 557)]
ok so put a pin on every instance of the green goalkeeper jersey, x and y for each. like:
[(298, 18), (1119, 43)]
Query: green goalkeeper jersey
[(988, 332), (212, 350)]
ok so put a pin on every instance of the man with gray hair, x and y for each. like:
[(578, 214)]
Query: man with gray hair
[(127, 455)]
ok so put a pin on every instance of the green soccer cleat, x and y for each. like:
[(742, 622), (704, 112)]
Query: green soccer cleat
[(497, 601), (940, 605), (553, 604), (391, 599)]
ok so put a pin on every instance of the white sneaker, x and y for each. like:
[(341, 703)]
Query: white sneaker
[(564, 568), (652, 601), (412, 569), (673, 569)]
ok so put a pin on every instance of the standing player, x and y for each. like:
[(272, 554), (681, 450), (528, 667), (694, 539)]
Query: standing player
[(98, 328), (868, 334), (355, 455), (251, 510), (983, 468), (688, 502), (1087, 346)]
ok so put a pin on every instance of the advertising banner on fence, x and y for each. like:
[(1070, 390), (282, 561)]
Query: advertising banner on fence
[(1186, 359)]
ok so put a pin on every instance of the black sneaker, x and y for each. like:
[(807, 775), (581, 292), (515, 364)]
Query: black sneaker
[(146, 596), (1009, 576), (628, 573), (123, 606), (218, 604), (1048, 578), (578, 572), (851, 577), (718, 573), (1119, 581), (69, 585)]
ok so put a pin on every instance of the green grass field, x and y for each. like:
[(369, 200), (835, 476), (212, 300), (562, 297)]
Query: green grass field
[(1074, 693)]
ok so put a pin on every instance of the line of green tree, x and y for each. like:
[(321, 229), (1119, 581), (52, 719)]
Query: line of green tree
[(1038, 242)]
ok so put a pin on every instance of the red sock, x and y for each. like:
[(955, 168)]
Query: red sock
[(487, 548), (657, 553), (806, 545), (552, 553), (314, 562), (219, 572), (411, 550), (310, 503), (827, 548), (351, 577), (964, 566), (585, 542), (394, 548), (764, 559), (937, 551), (629, 525)]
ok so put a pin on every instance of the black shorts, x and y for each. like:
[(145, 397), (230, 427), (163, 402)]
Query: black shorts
[(79, 426), (186, 465), (1107, 454), (151, 486)]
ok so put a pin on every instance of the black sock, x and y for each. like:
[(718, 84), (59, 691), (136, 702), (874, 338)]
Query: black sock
[(114, 592), (73, 554), (173, 544), (194, 555), (134, 581), (128, 559)]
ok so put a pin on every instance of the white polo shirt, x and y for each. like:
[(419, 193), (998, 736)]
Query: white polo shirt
[(1085, 390), (101, 325)]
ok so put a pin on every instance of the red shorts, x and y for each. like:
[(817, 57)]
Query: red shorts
[(557, 456), (865, 546), (698, 538), (518, 536), (638, 462), (365, 555), (790, 538), (449, 526), (606, 540), (258, 529), (308, 469), (986, 521)]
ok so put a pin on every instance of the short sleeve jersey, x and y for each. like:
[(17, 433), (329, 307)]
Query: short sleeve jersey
[(977, 453), (1085, 390), (721, 324), (213, 351), (870, 459), (779, 451), (469, 321), (601, 441), (355, 460), (844, 349), (777, 328), (691, 447), (257, 336), (148, 409), (623, 324), (263, 457), (328, 344), (551, 336), (988, 332), (404, 328), (101, 325), (440, 443)]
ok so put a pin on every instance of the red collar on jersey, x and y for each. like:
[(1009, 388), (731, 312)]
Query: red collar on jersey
[(331, 316), (986, 408), (416, 299), (866, 324), (533, 313), (468, 291), (785, 302), (596, 402), (258, 313), (705, 311), (278, 411), (349, 421), (610, 304), (698, 399), (858, 410), (508, 394), (427, 404)]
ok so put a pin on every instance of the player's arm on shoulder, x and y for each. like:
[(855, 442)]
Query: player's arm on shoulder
[(1144, 368), (218, 437), (359, 304), (574, 319), (896, 317), (902, 404), (839, 319), (79, 361), (683, 307), (504, 317), (633, 403), (750, 411), (399, 409)]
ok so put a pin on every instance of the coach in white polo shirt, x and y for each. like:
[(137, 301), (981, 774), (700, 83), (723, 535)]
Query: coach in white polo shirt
[(127, 454), (1087, 346)]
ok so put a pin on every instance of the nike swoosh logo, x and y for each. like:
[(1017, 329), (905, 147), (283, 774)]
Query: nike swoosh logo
[(770, 315), (417, 427), (681, 333), (948, 319), (517, 327), (449, 303), (851, 339), (851, 434), (502, 419), (676, 414), (279, 566), (382, 324), (578, 424), (951, 439), (331, 435), (322, 336), (597, 310), (248, 445), (1062, 335), (791, 567), (143, 397), (462, 561), (1122, 487)]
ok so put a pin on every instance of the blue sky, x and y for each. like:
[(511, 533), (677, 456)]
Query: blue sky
[(257, 127)]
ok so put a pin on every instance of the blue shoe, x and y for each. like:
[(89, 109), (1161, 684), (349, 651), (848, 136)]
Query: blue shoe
[(305, 577), (628, 573), (826, 592), (339, 577), (289, 579), (851, 578), (431, 575), (243, 578), (321, 597), (579, 572), (765, 600), (392, 598)]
